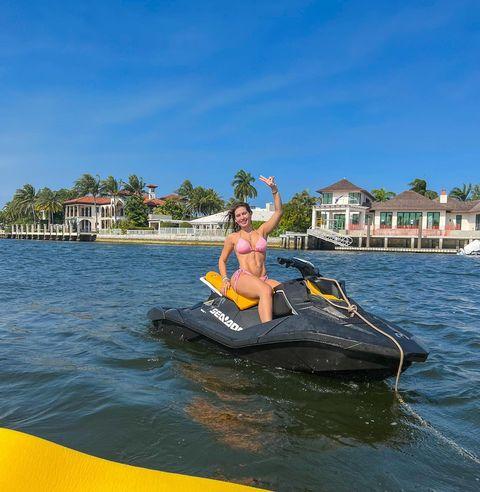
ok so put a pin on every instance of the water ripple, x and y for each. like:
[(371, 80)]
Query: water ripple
[(80, 365)]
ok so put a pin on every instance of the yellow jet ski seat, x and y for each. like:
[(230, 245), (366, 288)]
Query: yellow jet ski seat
[(242, 302), (215, 280)]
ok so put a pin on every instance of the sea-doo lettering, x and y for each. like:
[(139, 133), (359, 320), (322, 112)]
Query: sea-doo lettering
[(225, 320)]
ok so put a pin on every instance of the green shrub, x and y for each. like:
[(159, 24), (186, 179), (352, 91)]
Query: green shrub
[(136, 211)]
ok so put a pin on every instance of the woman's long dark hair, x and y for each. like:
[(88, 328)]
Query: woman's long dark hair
[(230, 216)]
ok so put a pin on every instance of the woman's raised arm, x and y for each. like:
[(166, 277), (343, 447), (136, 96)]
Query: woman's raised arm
[(271, 223)]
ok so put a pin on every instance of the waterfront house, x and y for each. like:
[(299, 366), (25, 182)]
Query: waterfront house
[(411, 214), (407, 220), (80, 212), (412, 210), (219, 220), (342, 206)]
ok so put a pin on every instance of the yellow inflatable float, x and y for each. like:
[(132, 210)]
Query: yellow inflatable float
[(31, 464)]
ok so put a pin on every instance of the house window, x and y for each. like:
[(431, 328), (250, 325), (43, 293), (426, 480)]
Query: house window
[(338, 222), (477, 222), (433, 220), (327, 198), (355, 219), (458, 222), (386, 220), (407, 220), (354, 198), (322, 220)]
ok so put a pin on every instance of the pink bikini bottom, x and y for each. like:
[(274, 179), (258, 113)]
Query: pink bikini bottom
[(237, 274)]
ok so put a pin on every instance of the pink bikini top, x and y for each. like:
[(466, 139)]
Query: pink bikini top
[(243, 246)]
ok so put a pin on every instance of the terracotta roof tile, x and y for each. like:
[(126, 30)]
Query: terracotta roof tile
[(476, 206), (88, 200), (456, 205), (409, 200), (153, 202), (171, 196), (344, 185)]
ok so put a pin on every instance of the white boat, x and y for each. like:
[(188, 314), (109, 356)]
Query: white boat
[(472, 249)]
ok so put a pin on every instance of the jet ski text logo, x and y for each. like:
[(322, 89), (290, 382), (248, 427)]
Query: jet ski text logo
[(225, 320)]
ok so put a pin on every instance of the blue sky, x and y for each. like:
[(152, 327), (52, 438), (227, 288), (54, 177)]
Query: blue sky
[(311, 92)]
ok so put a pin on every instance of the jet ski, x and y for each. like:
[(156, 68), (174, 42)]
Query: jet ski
[(316, 328)]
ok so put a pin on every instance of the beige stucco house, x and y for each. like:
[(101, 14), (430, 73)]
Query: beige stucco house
[(109, 210), (407, 220)]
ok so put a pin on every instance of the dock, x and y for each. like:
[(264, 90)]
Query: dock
[(315, 239), (46, 233), (396, 250)]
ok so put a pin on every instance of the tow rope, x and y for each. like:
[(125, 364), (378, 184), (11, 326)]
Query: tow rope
[(353, 311)]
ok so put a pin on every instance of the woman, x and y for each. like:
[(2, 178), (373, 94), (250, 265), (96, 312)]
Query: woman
[(250, 246)]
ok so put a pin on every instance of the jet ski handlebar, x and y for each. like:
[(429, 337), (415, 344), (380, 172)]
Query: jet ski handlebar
[(306, 268)]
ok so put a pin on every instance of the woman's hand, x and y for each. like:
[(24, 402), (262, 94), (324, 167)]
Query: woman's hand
[(270, 181), (225, 286)]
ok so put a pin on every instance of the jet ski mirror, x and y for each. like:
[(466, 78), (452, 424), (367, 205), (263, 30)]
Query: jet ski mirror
[(306, 268)]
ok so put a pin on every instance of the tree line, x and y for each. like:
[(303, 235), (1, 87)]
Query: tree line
[(30, 206), (465, 193)]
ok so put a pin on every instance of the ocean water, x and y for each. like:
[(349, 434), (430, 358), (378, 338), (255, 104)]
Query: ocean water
[(80, 365)]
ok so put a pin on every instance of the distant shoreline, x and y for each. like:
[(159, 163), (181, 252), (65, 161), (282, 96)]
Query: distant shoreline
[(170, 242)]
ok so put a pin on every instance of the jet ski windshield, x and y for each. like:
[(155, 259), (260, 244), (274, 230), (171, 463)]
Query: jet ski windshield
[(306, 268)]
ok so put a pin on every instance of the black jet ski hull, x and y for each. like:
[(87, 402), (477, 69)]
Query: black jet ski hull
[(307, 357), (301, 355)]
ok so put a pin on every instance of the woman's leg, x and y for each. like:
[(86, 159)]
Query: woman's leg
[(254, 288)]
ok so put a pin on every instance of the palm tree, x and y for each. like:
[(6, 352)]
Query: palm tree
[(243, 188), (461, 193), (204, 201), (24, 201), (135, 185), (231, 202), (112, 187), (8, 214), (476, 192), (431, 194), (420, 186), (212, 202), (382, 195), (185, 189), (50, 202), (89, 185)]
